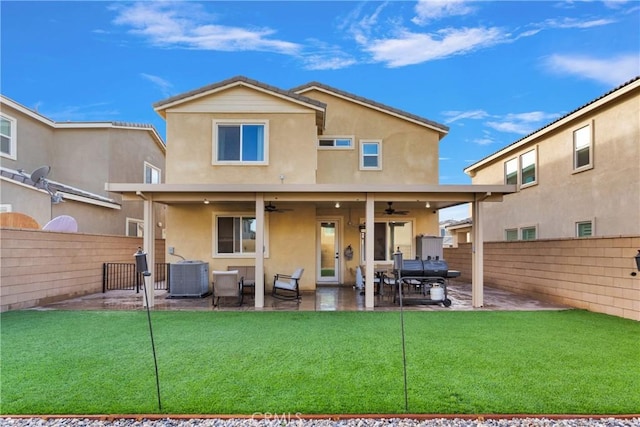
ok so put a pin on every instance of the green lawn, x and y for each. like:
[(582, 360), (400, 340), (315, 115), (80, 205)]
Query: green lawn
[(75, 362)]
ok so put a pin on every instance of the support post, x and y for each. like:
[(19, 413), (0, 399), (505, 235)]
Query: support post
[(259, 288), (477, 264), (368, 244), (149, 246)]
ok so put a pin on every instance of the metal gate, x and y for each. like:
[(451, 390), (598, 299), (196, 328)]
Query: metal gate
[(123, 276)]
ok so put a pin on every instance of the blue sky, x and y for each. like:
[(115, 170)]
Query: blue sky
[(493, 71)]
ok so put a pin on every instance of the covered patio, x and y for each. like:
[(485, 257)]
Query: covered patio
[(324, 298), (317, 198)]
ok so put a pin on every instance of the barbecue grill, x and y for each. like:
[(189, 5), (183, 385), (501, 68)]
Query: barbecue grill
[(430, 277)]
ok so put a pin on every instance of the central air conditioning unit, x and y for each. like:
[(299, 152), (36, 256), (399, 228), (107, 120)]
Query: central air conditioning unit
[(189, 279)]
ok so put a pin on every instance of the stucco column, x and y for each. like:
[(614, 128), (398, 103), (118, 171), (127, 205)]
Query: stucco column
[(149, 246), (477, 263), (259, 288), (368, 244)]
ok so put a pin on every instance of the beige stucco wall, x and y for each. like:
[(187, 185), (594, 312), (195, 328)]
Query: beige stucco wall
[(293, 153), (84, 157), (593, 274), (607, 194), (409, 151)]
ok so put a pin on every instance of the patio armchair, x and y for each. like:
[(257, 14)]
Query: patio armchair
[(287, 286), (226, 284)]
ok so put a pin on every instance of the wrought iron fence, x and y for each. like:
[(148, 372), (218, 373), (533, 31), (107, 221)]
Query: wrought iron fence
[(123, 276)]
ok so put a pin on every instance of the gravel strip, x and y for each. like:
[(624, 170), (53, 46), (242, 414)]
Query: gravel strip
[(295, 422)]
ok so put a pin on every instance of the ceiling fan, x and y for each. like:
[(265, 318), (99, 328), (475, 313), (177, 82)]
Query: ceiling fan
[(392, 211), (270, 207)]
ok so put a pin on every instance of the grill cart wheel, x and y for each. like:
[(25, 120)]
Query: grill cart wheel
[(446, 302)]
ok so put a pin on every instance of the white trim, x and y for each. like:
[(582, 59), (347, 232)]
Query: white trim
[(6, 207), (521, 168), (362, 143), (13, 141), (152, 167), (527, 227), (575, 129), (337, 245), (335, 147), (240, 122), (139, 226), (244, 255), (88, 200), (591, 221)]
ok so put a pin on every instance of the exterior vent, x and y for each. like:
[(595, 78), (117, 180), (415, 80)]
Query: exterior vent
[(189, 279)]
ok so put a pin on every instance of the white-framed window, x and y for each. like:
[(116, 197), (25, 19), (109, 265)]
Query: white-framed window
[(389, 236), (152, 174), (528, 168), (8, 137), (529, 233), (370, 155), (135, 227), (582, 148), (584, 229), (4, 207), (240, 142), (335, 143), (511, 234), (234, 235), (511, 171)]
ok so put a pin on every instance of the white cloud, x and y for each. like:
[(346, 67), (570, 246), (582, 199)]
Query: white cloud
[(522, 123), (413, 48), (162, 84), (461, 115), (610, 71), (188, 25), (576, 23), (428, 10)]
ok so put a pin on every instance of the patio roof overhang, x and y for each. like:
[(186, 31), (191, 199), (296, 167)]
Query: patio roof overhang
[(439, 196)]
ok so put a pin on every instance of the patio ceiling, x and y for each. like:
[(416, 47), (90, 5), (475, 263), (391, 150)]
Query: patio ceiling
[(324, 195)]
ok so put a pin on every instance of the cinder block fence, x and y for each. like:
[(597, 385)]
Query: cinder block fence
[(39, 267), (590, 273)]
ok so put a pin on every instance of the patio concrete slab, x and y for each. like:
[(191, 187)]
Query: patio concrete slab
[(325, 298)]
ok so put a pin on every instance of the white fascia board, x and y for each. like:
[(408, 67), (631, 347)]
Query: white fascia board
[(90, 201), (26, 111)]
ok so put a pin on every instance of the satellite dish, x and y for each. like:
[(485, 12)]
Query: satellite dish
[(62, 223), (39, 175)]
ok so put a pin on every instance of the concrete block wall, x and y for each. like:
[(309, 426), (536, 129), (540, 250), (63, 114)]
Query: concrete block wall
[(39, 267), (594, 273)]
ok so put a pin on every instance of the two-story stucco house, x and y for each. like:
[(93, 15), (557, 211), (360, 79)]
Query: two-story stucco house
[(82, 157), (312, 177), (579, 176)]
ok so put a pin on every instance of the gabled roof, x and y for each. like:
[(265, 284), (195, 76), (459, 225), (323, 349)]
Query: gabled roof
[(586, 108), (84, 125), (442, 129), (161, 106)]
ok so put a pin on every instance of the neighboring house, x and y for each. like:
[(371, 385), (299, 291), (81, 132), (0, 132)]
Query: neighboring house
[(579, 176), (312, 177), (456, 232), (83, 157)]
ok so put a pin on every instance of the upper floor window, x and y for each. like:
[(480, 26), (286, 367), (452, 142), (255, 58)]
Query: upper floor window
[(528, 233), (370, 155), (511, 171), (511, 234), (8, 136), (340, 142), (235, 235), (582, 148), (528, 168), (238, 142), (151, 174), (584, 229)]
